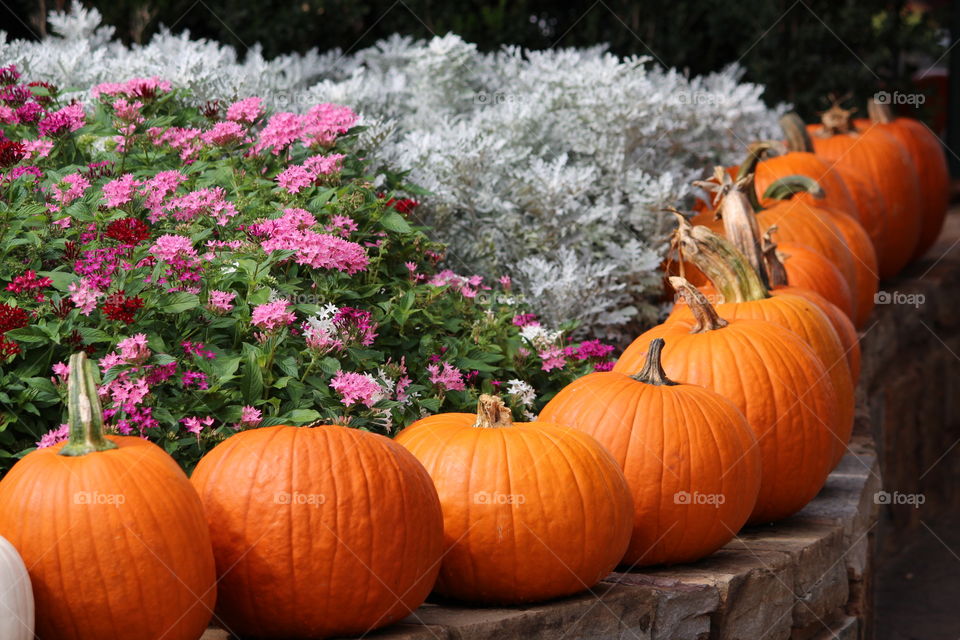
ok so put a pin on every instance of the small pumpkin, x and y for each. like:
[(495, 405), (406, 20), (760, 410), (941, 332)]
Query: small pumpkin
[(99, 520), (927, 155), (530, 511), (688, 454), (318, 532), (884, 161), (746, 296), (772, 376), (16, 596)]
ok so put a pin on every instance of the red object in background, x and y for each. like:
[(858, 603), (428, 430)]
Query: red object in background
[(934, 84)]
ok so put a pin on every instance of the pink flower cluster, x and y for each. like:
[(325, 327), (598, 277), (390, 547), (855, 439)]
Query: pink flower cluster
[(357, 388), (133, 88), (69, 118), (319, 127), (299, 176), (248, 110), (202, 202), (69, 189), (272, 316), (447, 377), (293, 231), (467, 287)]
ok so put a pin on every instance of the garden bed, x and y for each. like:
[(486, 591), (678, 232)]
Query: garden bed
[(809, 576)]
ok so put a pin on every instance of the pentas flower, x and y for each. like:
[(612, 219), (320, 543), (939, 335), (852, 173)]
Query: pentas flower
[(12, 318), (196, 425), (294, 178), (292, 232), (67, 119), (8, 115), (522, 393), (121, 308), (134, 350), (282, 130), (8, 348), (146, 88), (553, 358), (28, 281), (466, 286), (342, 225), (70, 188), (29, 113), (220, 301), (188, 142), (356, 388), (272, 316), (447, 377), (250, 418), (156, 189), (224, 133), (18, 172), (174, 249), (324, 122), (593, 349), (120, 191), (62, 371), (197, 349), (9, 74), (99, 265), (403, 205), (525, 319), (54, 436), (128, 112), (248, 110), (84, 295), (202, 202), (129, 232), (196, 379), (39, 148)]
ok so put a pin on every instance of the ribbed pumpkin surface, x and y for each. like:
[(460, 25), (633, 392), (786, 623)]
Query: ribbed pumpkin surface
[(115, 541), (318, 531)]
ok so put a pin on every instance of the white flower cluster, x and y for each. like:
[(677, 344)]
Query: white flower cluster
[(551, 166)]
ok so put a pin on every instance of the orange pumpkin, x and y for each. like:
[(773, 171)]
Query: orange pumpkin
[(883, 160), (870, 204), (746, 296), (807, 269), (101, 521), (531, 511), (688, 454), (773, 377), (318, 532), (781, 277), (865, 265), (927, 155)]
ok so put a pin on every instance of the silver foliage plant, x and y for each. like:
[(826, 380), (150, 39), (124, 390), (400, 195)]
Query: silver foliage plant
[(553, 167)]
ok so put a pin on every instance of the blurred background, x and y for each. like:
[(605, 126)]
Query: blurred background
[(801, 50)]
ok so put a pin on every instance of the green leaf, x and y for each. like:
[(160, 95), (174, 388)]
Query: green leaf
[(61, 279), (94, 336), (289, 366), (178, 302), (393, 221), (303, 415), (330, 365), (251, 384)]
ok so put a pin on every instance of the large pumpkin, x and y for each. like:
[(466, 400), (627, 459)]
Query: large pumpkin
[(746, 296), (880, 158), (318, 532), (773, 377), (927, 155), (531, 511), (688, 454), (101, 522), (16, 596)]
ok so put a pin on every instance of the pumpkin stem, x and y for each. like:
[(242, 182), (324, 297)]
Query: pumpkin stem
[(757, 152), (795, 131), (776, 272), (736, 209), (880, 113), (704, 313), (652, 372), (789, 186), (84, 410), (726, 267), (492, 413), (836, 119)]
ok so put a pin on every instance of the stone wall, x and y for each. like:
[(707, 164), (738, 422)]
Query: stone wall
[(807, 577)]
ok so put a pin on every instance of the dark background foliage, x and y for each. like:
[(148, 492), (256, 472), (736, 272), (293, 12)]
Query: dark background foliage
[(800, 49)]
